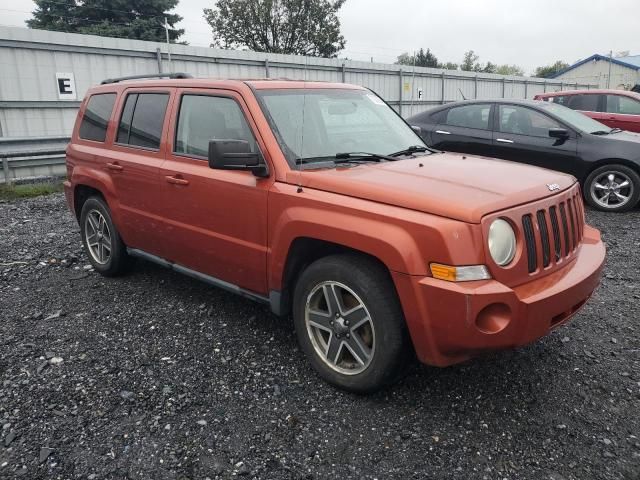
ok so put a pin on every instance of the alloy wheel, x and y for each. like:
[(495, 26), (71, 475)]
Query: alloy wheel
[(98, 237), (340, 328), (612, 189)]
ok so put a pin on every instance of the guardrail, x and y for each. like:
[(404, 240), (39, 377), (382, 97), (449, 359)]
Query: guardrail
[(32, 157)]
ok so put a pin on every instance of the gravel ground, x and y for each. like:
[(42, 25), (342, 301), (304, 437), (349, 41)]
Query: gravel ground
[(158, 376)]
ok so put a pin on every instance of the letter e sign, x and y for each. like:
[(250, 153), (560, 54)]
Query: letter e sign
[(66, 86)]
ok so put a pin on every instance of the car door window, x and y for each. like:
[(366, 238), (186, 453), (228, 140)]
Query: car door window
[(586, 102), (525, 121), (560, 99), (623, 105), (96, 117), (142, 119), (204, 118), (469, 116)]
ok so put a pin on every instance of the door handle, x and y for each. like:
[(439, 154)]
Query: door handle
[(504, 140), (115, 167), (177, 180), (443, 132)]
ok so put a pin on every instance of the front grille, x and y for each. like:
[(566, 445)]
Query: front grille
[(567, 232)]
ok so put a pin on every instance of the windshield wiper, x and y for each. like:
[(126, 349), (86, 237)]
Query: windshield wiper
[(351, 156), (410, 150), (602, 132), (616, 130)]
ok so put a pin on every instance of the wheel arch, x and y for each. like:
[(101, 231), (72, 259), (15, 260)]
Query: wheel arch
[(611, 161)]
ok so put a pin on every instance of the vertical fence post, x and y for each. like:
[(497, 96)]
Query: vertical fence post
[(443, 86), (344, 73), (266, 67), (5, 167), (475, 86), (545, 86), (504, 90), (159, 58), (526, 89), (400, 92), (561, 86)]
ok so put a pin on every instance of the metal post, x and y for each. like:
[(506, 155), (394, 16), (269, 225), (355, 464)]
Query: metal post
[(266, 67), (576, 85), (159, 58), (5, 167), (610, 62), (166, 30), (344, 73), (475, 87), (561, 86), (400, 101), (545, 87), (526, 89), (503, 88), (443, 86)]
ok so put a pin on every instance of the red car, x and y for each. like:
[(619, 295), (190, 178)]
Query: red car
[(615, 108)]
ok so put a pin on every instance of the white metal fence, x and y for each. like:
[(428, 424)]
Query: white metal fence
[(44, 75)]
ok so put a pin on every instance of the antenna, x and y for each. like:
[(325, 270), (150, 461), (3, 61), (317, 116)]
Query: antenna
[(304, 101), (166, 31)]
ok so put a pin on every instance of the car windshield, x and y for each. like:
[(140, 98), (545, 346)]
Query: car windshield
[(576, 119), (318, 124)]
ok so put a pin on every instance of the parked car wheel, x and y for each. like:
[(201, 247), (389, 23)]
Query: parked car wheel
[(612, 188), (105, 249), (349, 322)]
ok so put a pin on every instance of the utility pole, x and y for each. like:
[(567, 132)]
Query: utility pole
[(166, 31), (610, 62)]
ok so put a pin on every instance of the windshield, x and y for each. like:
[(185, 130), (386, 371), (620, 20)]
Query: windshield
[(335, 122), (575, 119)]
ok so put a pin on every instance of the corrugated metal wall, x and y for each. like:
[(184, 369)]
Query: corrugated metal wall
[(30, 59)]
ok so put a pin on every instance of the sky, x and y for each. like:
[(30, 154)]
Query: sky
[(525, 33)]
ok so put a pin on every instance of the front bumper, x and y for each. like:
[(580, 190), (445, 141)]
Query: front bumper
[(451, 322)]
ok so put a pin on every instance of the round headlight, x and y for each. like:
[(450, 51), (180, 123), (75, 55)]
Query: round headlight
[(502, 242)]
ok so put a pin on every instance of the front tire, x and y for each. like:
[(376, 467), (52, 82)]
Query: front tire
[(349, 323), (102, 243), (612, 188)]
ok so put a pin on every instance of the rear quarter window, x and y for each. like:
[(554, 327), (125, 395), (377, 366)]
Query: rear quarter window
[(96, 117)]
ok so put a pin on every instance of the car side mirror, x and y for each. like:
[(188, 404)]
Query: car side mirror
[(560, 133), (236, 155), (417, 129)]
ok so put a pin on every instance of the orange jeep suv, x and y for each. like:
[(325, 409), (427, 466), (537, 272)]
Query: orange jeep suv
[(319, 200)]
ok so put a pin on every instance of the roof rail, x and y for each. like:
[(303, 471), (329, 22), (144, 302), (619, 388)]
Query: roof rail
[(140, 77)]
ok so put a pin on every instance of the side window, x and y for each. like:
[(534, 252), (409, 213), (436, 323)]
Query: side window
[(586, 102), (525, 121), (560, 100), (96, 117), (623, 105), (469, 116), (203, 118), (142, 119)]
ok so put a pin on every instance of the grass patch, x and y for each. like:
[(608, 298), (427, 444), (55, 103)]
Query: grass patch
[(29, 190)]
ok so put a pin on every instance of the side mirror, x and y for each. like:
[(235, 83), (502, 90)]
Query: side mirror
[(560, 133), (236, 155), (417, 129)]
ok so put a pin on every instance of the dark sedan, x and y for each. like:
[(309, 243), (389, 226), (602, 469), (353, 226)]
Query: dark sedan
[(606, 161)]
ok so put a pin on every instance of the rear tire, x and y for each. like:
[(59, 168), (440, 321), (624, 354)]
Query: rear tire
[(350, 324), (612, 188), (102, 243)]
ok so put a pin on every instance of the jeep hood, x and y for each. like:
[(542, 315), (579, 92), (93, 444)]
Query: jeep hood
[(462, 187)]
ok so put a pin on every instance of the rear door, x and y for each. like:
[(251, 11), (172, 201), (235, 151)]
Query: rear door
[(134, 159), (522, 135), (623, 112), (215, 221), (465, 129)]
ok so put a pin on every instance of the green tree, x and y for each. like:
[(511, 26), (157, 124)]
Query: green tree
[(509, 70), (140, 19), (422, 59), (549, 70), (470, 62), (449, 66), (300, 27)]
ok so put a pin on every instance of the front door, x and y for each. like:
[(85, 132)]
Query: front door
[(215, 221), (522, 135)]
